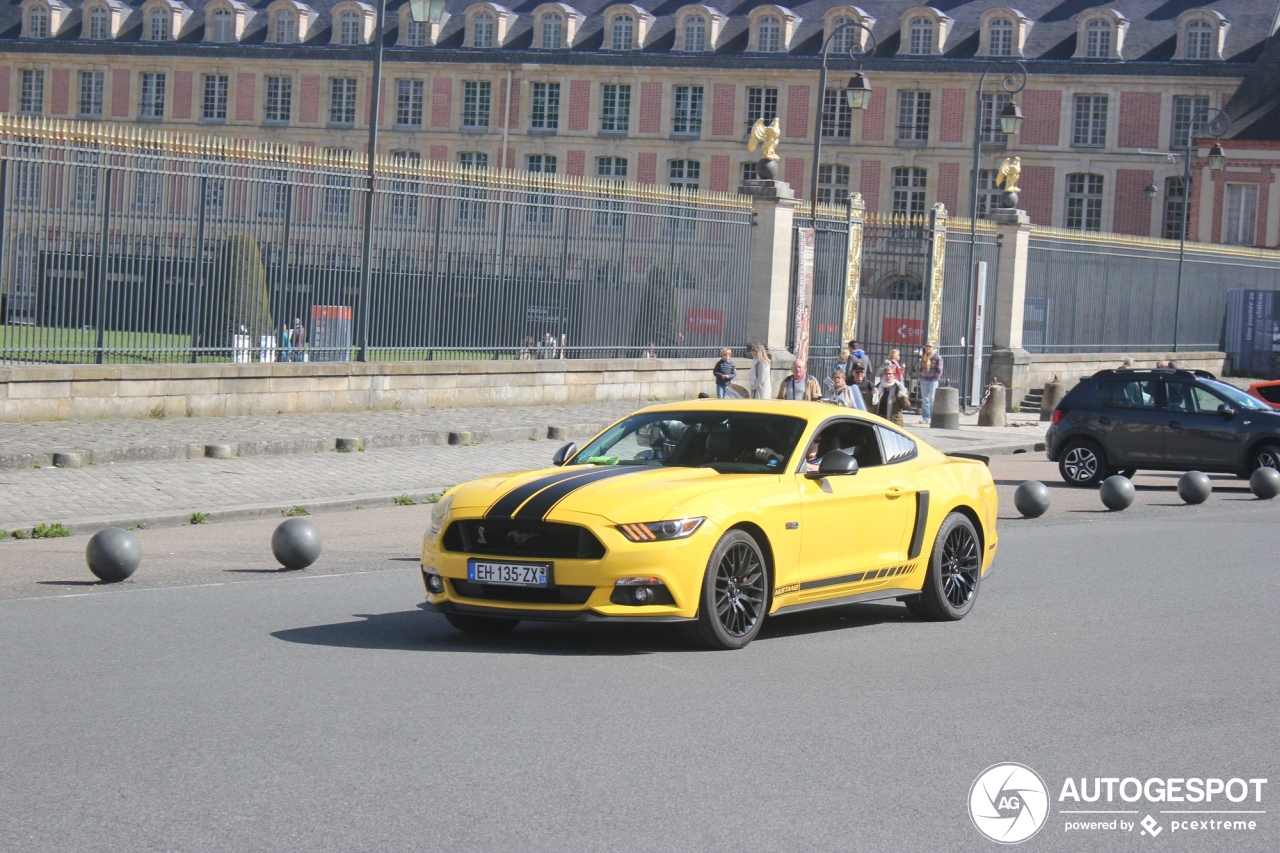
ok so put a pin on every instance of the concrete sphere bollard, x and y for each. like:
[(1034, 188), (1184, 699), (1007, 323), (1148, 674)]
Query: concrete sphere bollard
[(1194, 487), (992, 411), (1265, 483), (1117, 492), (1032, 499), (946, 409), (296, 543), (113, 554)]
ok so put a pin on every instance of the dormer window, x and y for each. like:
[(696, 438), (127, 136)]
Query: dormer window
[(844, 40), (286, 28), (350, 28), (623, 32), (695, 34), (772, 28), (161, 27), (38, 23), (221, 27), (416, 33), (1097, 39), (99, 25), (921, 34), (1000, 37), (552, 31), (1199, 40), (768, 34), (1100, 34), (482, 30), (1002, 32), (352, 23), (101, 19)]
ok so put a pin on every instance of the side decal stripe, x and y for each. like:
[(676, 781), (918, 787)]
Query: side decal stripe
[(540, 504), (510, 502), (922, 521)]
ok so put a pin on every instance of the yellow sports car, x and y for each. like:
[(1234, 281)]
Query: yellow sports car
[(716, 513)]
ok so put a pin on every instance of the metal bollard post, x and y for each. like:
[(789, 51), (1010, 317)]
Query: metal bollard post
[(991, 414), (946, 409)]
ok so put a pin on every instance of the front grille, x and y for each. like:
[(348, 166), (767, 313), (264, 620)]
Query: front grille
[(523, 595), (506, 537)]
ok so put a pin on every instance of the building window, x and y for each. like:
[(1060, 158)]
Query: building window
[(913, 116), (992, 104), (415, 36), (38, 24), (768, 34), (98, 30), (337, 184), (146, 186), (1084, 202), (762, 104), (161, 30), (609, 212), (615, 107), (611, 167), (540, 209), (1097, 39), (273, 193), (684, 175), (833, 184), (86, 179), (988, 193), (921, 34), (1175, 206), (482, 30), (471, 207), (695, 34), (222, 30), (552, 31), (286, 28), (837, 116), (475, 105), (1189, 114), (31, 97), (152, 105), (473, 160), (1000, 38), (687, 117), (409, 97), (1090, 126), (843, 41), (908, 191), (350, 32), (404, 194), (342, 100), (1199, 40), (545, 112), (26, 174), (215, 97), (1241, 217), (749, 171), (623, 32), (91, 86), (279, 99)]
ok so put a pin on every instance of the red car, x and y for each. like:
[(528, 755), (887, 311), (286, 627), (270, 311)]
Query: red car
[(1267, 392)]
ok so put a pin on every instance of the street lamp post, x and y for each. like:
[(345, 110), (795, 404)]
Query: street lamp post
[(422, 11), (1217, 126), (857, 94), (1011, 125)]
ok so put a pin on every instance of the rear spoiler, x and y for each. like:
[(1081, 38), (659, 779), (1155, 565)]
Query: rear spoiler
[(985, 460)]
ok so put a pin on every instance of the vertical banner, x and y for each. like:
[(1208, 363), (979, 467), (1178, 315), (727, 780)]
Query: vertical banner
[(853, 268), (979, 319), (1253, 332), (804, 289)]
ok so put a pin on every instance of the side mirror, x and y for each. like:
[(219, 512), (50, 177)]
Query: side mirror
[(1226, 411), (835, 464), (564, 454)]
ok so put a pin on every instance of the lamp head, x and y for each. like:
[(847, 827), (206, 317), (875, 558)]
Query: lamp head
[(1011, 119), (858, 92), (426, 11), (1217, 157), (1151, 191)]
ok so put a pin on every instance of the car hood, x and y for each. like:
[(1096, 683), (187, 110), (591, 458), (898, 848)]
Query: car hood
[(620, 494)]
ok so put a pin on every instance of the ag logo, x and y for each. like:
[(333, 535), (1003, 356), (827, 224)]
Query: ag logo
[(1008, 803)]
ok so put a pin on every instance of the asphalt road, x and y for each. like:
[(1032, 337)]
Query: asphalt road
[(214, 705)]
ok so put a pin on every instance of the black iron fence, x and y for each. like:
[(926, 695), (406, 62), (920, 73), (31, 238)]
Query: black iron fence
[(122, 245), (959, 298)]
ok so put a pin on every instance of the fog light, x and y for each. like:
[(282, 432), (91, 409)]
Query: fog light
[(637, 592), (642, 594), (435, 583)]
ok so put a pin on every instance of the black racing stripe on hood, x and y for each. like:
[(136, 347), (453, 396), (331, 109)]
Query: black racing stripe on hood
[(542, 503), (510, 502)]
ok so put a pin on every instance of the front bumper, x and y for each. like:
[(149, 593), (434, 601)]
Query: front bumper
[(546, 615)]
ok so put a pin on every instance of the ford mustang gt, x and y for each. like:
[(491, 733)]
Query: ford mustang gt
[(716, 514)]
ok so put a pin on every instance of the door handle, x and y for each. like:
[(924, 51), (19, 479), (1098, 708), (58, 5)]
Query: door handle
[(895, 491)]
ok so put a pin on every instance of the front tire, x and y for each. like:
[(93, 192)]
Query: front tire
[(735, 595), (1082, 464), (955, 571), (1266, 456), (469, 623)]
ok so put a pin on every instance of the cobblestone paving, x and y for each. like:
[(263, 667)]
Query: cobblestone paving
[(85, 435)]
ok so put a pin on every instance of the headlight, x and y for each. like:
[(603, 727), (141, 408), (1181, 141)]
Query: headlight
[(439, 514), (661, 531)]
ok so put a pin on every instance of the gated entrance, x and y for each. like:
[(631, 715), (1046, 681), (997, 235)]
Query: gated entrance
[(893, 298)]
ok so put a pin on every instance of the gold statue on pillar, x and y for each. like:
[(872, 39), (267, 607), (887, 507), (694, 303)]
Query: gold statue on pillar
[(766, 136), (1009, 172)]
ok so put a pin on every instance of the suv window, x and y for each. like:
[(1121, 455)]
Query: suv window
[(1192, 399), (1270, 393), (1128, 394)]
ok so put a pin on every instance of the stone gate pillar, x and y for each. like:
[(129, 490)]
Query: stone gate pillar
[(770, 279), (1009, 361)]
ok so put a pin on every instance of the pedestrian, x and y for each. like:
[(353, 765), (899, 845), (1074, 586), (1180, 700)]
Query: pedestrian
[(930, 376), (1127, 364), (286, 343), (842, 361), (889, 397), (895, 359), (546, 346), (799, 385), (844, 394), (857, 355), (724, 371), (859, 380), (1172, 365), (650, 351), (298, 339), (829, 383), (760, 372), (526, 351), (1162, 365)]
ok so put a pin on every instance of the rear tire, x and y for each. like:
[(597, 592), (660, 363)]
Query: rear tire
[(1266, 456), (735, 595), (955, 571), (469, 623), (1082, 464)]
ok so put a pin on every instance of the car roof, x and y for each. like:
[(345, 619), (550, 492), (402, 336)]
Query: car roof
[(810, 411), (1166, 372)]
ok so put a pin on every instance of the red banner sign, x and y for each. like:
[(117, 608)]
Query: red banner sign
[(704, 321), (899, 330)]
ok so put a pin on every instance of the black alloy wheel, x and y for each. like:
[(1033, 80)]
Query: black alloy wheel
[(955, 571), (735, 594), (1266, 456), (470, 623), (1083, 464)]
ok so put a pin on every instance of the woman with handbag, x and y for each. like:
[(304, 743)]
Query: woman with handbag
[(889, 397)]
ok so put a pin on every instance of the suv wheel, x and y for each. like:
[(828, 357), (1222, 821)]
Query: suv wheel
[(1082, 463), (1266, 456)]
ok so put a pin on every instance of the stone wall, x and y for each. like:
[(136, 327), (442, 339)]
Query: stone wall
[(47, 392)]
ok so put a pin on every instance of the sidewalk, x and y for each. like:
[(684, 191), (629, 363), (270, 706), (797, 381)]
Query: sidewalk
[(167, 491)]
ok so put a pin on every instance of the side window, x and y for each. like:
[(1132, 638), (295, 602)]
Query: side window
[(1270, 393), (1128, 394), (853, 437), (897, 446), (1206, 402), (1191, 400)]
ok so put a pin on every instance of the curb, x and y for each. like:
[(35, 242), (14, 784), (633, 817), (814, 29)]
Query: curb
[(292, 446)]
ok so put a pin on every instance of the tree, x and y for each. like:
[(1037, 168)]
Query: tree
[(237, 297)]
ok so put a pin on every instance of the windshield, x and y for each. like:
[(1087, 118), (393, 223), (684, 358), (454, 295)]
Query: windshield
[(1236, 396), (729, 442)]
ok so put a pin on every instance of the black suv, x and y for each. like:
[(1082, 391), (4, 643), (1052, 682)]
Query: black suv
[(1118, 421)]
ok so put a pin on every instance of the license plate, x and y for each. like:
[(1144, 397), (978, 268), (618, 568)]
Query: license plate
[(510, 574)]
